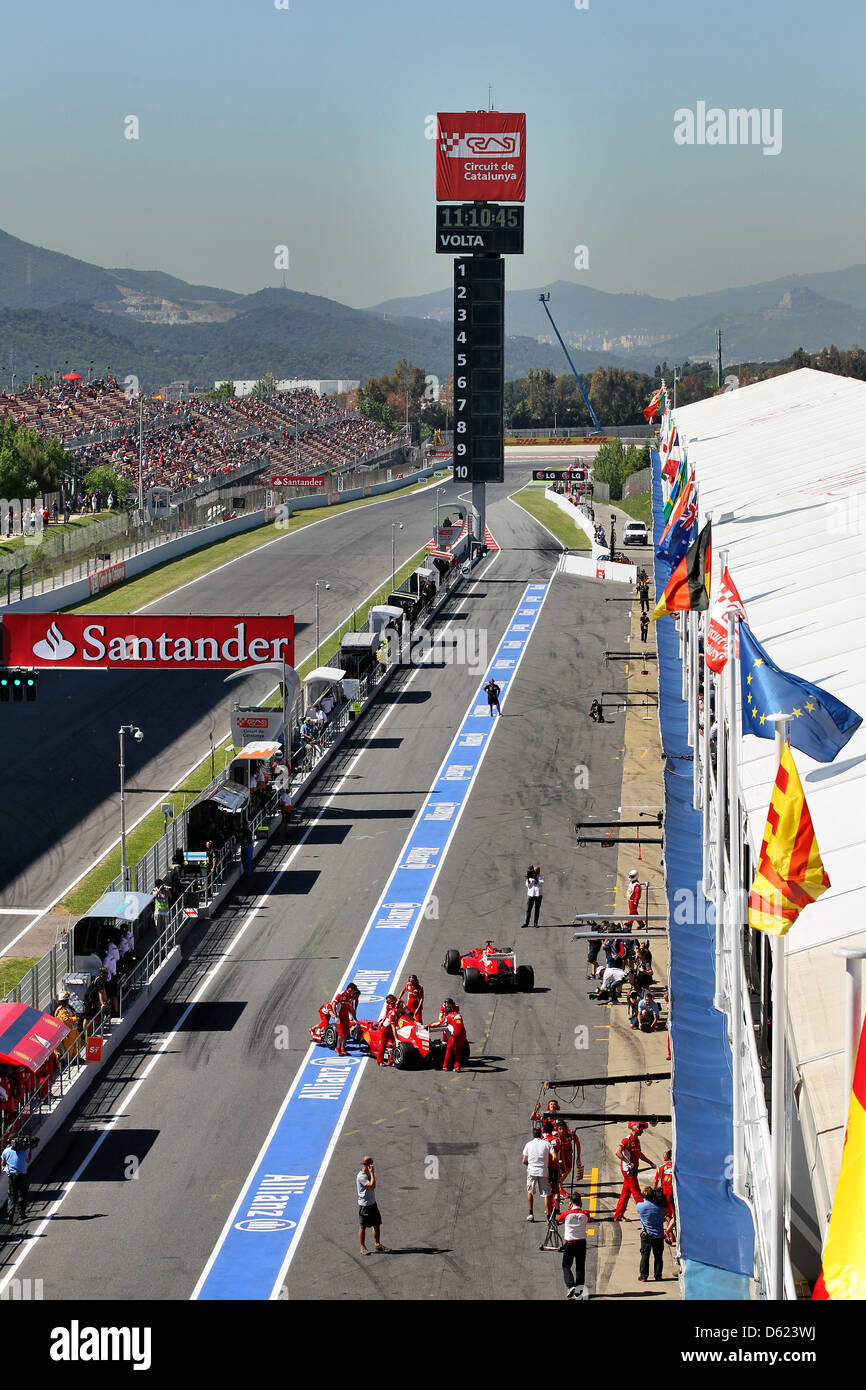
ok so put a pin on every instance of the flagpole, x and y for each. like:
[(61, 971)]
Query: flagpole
[(719, 785), (694, 621), (734, 901), (778, 1088)]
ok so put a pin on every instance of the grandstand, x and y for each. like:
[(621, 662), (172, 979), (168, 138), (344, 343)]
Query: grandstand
[(195, 440)]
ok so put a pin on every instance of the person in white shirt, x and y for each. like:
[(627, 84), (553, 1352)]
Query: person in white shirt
[(536, 1160), (574, 1220)]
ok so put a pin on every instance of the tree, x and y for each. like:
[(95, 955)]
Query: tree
[(224, 392), (104, 479), (540, 389), (30, 464), (615, 462), (265, 386)]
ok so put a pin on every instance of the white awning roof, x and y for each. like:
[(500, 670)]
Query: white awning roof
[(331, 674), (257, 750), (781, 465)]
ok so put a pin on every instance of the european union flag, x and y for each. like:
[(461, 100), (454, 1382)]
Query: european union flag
[(820, 724)]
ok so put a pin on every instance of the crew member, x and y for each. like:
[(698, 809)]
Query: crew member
[(630, 1154), (566, 1148), (664, 1178), (634, 892), (386, 1030), (452, 1023), (414, 998)]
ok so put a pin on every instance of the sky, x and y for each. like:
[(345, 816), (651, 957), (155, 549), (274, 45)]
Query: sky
[(304, 123)]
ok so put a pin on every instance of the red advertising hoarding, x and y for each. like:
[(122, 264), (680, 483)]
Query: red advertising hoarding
[(119, 642), (297, 480), (481, 156)]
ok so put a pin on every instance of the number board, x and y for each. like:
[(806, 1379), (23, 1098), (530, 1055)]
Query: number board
[(479, 227), (479, 368)]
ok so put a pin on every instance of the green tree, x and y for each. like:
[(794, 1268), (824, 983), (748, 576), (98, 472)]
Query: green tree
[(265, 386), (224, 392), (104, 479)]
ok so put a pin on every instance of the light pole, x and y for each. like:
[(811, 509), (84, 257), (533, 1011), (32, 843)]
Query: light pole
[(138, 736), (319, 583), (395, 527), (612, 533), (436, 522), (677, 377)]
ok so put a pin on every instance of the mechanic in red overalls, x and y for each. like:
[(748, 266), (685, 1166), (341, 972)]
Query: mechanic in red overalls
[(344, 1005), (664, 1179), (385, 1030), (634, 892), (630, 1154), (566, 1149), (452, 1022), (414, 998)]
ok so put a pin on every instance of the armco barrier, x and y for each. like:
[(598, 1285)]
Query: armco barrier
[(69, 595)]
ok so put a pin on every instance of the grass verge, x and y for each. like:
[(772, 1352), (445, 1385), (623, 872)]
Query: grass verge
[(143, 836), (162, 580), (638, 506), (13, 969), (550, 516)]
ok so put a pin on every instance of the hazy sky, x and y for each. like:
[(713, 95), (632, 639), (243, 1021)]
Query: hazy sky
[(305, 126)]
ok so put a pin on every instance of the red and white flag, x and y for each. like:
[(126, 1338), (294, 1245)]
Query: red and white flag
[(727, 601)]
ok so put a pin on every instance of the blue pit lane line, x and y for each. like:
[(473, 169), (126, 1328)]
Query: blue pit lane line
[(259, 1240)]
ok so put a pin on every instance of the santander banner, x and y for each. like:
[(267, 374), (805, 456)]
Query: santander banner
[(120, 642), (481, 155)]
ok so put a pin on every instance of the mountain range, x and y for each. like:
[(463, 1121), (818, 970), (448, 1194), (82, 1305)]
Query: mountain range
[(58, 312)]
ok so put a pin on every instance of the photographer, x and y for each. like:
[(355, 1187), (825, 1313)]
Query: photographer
[(15, 1160), (368, 1210)]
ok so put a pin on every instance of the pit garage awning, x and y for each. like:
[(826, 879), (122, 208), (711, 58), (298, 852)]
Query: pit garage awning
[(28, 1036), (251, 751)]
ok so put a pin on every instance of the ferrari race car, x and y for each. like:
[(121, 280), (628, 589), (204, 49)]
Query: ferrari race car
[(494, 966), (414, 1042)]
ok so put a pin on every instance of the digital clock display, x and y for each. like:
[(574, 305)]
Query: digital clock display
[(479, 228)]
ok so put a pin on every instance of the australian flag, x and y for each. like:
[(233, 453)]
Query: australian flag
[(681, 536), (820, 724)]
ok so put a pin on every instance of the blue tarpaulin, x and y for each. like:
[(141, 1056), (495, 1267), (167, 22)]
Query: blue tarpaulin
[(716, 1229)]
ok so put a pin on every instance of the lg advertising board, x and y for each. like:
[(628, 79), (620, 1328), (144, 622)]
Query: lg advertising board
[(481, 156), (134, 642)]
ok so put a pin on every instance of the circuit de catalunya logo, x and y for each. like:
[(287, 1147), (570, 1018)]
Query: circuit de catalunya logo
[(188, 643)]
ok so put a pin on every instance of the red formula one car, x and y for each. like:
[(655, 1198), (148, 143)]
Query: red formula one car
[(494, 966), (415, 1043)]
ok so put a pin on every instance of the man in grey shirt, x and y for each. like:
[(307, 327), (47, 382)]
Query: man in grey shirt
[(368, 1211)]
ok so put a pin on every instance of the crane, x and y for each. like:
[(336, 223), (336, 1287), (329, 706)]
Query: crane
[(543, 299)]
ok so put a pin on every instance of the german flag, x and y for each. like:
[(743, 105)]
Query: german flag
[(791, 873), (843, 1273), (688, 589)]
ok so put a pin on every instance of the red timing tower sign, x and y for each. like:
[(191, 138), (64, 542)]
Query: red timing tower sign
[(123, 642), (481, 156)]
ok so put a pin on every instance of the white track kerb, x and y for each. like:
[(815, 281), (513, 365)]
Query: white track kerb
[(263, 1231)]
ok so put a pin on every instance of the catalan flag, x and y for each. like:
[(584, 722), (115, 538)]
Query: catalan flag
[(843, 1273), (821, 725), (688, 588), (791, 873)]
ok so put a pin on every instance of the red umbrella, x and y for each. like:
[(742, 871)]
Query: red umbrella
[(28, 1036), (73, 376)]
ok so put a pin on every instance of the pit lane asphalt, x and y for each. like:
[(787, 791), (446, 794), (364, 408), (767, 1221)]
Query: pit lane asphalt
[(60, 755), (197, 1123)]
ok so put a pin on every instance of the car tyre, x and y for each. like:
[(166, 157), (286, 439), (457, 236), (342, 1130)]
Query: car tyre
[(329, 1037), (471, 980), (401, 1056), (525, 978), (452, 962)]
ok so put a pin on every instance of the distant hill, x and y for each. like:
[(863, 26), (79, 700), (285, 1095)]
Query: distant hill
[(56, 310), (645, 329)]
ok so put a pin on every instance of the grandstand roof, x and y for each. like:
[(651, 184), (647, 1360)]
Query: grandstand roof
[(781, 467)]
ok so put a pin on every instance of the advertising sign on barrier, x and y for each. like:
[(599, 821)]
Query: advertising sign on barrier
[(94, 1050), (134, 641), (104, 578), (297, 480)]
